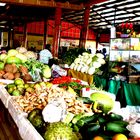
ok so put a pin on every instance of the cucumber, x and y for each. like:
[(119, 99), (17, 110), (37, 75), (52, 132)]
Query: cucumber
[(88, 119), (94, 127), (114, 117), (115, 128), (92, 130), (80, 123), (102, 120), (121, 123), (85, 100), (76, 118)]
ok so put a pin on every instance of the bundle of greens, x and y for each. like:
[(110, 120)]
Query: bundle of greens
[(72, 54)]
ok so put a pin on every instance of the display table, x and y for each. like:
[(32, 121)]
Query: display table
[(26, 129), (127, 93)]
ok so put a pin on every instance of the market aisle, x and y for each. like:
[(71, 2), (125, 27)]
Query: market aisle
[(8, 130)]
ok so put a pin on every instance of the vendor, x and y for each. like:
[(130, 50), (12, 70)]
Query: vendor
[(45, 55)]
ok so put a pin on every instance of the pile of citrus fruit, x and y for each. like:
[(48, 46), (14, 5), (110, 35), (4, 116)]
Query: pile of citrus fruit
[(115, 137)]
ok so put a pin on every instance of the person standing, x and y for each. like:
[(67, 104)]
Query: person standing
[(45, 55)]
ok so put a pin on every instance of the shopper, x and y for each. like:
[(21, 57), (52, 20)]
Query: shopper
[(45, 55), (104, 52)]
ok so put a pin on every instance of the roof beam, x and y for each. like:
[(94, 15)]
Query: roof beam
[(93, 2), (41, 3)]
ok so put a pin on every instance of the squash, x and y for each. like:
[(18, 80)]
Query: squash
[(102, 102)]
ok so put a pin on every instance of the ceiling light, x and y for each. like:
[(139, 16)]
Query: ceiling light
[(2, 4)]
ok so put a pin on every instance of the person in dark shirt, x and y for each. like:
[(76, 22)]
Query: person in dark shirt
[(104, 52)]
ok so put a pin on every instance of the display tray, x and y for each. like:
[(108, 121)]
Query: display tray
[(5, 82)]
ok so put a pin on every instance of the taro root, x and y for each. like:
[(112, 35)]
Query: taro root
[(9, 76)]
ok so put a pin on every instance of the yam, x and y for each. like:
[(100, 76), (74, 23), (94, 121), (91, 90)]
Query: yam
[(9, 76)]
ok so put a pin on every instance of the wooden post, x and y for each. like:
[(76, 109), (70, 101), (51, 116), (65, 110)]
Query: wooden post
[(25, 32), (84, 30), (9, 37), (56, 38), (45, 32)]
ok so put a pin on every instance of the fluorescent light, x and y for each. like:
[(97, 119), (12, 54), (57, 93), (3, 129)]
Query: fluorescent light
[(2, 4)]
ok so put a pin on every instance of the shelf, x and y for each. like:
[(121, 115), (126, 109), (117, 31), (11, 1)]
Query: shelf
[(125, 51)]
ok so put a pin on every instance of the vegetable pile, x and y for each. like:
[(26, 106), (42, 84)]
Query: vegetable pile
[(13, 71), (38, 70), (15, 64), (48, 105), (66, 82), (69, 56), (88, 63)]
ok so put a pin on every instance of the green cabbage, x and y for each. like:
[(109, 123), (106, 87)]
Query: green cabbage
[(1, 65), (22, 57), (13, 59), (3, 57), (12, 52), (46, 72)]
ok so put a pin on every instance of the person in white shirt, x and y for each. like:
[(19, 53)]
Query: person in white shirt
[(45, 55)]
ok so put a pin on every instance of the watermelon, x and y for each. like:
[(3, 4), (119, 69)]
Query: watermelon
[(102, 102)]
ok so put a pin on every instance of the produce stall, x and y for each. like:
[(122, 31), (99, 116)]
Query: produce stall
[(44, 103), (26, 129)]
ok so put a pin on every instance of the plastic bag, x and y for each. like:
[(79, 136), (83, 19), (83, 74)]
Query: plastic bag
[(58, 71)]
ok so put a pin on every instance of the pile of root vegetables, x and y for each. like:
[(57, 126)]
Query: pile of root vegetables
[(12, 71)]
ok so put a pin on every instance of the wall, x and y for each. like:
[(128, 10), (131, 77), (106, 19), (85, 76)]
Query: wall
[(69, 33)]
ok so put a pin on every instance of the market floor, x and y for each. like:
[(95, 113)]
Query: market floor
[(8, 129)]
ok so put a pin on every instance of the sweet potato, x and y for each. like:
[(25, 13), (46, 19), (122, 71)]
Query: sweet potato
[(9, 76)]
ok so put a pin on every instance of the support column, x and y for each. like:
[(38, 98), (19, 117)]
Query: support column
[(45, 32), (56, 38), (9, 38), (84, 30), (25, 32)]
